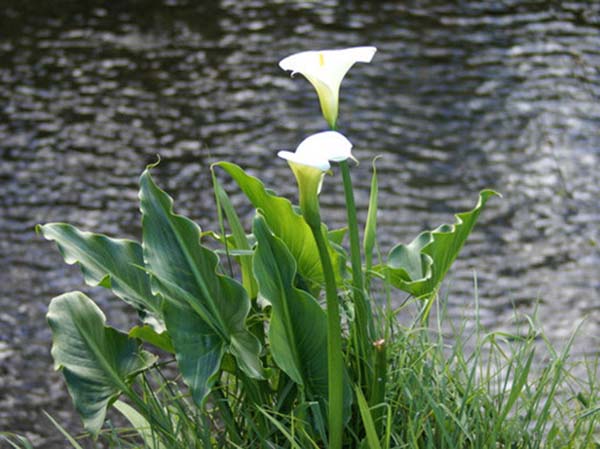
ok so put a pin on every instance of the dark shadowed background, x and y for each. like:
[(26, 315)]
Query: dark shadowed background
[(460, 96)]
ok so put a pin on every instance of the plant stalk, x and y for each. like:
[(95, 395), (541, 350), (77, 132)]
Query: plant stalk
[(309, 180), (335, 360), (362, 324)]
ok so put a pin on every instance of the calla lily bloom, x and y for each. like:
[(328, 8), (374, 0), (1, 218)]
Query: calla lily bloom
[(325, 70), (309, 163), (318, 149)]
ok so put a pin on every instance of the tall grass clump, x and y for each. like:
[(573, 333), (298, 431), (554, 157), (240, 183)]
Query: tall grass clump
[(474, 389), (276, 339), (484, 390)]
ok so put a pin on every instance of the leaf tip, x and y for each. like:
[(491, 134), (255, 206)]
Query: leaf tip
[(489, 192), (154, 164), (217, 164), (150, 166)]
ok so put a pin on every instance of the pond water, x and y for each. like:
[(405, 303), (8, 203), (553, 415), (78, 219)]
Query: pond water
[(459, 97)]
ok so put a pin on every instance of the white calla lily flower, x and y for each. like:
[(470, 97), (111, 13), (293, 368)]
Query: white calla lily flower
[(305, 159), (317, 150), (325, 70), (309, 163)]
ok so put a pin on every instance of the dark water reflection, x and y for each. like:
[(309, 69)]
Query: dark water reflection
[(458, 98)]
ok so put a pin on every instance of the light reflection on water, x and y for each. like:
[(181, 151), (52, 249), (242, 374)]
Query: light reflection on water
[(458, 98)]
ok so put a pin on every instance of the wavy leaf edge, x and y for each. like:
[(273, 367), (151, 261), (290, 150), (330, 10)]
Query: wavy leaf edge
[(443, 229)]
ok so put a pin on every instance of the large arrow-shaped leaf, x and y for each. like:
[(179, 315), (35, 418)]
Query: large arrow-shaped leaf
[(199, 349), (286, 223), (419, 267), (184, 272), (110, 263), (97, 361), (298, 324)]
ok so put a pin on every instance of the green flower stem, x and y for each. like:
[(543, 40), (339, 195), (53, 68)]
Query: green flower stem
[(335, 360), (361, 325)]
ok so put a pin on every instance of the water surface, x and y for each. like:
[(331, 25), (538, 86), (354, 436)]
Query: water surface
[(458, 98)]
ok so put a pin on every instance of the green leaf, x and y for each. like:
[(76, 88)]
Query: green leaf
[(198, 348), (140, 424), (287, 433), (419, 267), (110, 263), (97, 361), (298, 327), (336, 236), (16, 441), (367, 419), (70, 438), (239, 237), (369, 238), (206, 311), (149, 335), (285, 222)]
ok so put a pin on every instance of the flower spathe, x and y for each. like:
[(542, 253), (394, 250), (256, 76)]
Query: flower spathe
[(320, 148), (309, 163), (325, 70)]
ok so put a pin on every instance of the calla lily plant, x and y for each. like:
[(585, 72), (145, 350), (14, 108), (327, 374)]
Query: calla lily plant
[(265, 364), (326, 69), (309, 163)]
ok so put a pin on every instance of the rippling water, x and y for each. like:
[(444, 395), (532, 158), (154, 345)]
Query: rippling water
[(458, 98)]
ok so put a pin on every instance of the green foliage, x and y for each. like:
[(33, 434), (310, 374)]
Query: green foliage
[(419, 267), (204, 311), (372, 438), (269, 362), (15, 441), (110, 263), (370, 235), (147, 334), (285, 222), (298, 324), (238, 236), (298, 328), (481, 390), (217, 333), (98, 362), (140, 424), (72, 441)]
